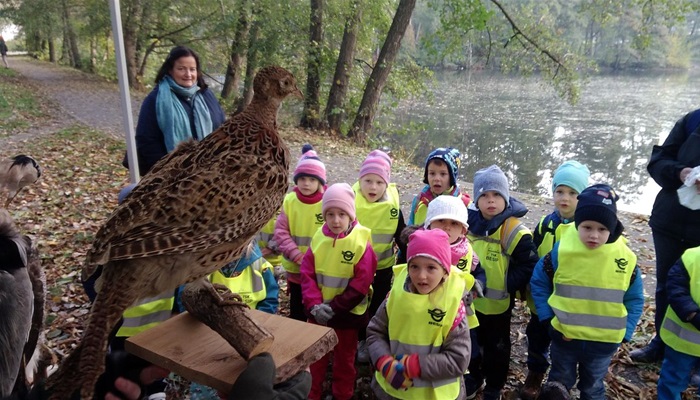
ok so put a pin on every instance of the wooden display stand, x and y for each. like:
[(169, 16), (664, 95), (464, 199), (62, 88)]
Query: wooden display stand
[(192, 350)]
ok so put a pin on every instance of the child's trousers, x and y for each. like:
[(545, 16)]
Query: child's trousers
[(675, 373), (537, 345), (591, 359), (493, 334), (343, 382)]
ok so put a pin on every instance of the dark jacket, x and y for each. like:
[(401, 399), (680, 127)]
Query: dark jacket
[(3, 48), (150, 144), (680, 149)]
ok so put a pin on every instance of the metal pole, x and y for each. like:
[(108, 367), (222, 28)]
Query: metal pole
[(124, 90)]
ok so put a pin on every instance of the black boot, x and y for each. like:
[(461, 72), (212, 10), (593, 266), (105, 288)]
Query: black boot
[(554, 391), (650, 353)]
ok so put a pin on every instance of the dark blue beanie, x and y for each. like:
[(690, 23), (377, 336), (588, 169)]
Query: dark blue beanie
[(448, 155), (598, 203)]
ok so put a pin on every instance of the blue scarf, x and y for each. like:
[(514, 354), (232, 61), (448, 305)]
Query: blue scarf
[(172, 117)]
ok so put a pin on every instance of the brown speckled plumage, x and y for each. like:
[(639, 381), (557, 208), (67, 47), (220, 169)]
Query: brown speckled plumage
[(193, 212)]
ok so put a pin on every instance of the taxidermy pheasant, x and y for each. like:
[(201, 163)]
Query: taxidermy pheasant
[(15, 174), (21, 303), (196, 210)]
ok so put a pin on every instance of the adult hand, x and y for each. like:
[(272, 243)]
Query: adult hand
[(684, 173), (256, 382), (322, 313)]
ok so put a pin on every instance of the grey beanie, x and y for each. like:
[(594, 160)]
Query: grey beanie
[(491, 178)]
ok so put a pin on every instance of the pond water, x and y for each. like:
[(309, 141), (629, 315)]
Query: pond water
[(522, 126)]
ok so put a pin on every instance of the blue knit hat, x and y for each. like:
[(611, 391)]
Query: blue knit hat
[(572, 174), (449, 156), (598, 203), (491, 179)]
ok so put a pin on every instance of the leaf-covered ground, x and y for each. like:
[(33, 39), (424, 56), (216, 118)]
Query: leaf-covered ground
[(81, 175)]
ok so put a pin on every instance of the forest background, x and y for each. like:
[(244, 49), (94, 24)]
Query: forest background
[(350, 54)]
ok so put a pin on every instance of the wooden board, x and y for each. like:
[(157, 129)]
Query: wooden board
[(192, 350)]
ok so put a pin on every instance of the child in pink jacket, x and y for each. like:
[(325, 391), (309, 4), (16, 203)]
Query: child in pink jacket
[(336, 277)]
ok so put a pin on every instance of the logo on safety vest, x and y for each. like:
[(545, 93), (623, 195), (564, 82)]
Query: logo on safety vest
[(394, 212), (319, 218), (436, 314), (621, 264), (462, 264), (348, 255)]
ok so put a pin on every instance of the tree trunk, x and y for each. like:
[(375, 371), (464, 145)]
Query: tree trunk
[(73, 49), (311, 117), (334, 113), (251, 66), (131, 32), (380, 73), (238, 48)]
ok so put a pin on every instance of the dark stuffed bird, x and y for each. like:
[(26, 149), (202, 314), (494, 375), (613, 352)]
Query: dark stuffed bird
[(15, 174), (197, 209), (21, 303)]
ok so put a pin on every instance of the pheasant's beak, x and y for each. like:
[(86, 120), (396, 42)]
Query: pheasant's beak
[(297, 93)]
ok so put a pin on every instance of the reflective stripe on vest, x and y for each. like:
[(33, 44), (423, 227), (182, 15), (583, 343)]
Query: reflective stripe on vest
[(680, 335), (589, 288), (265, 236), (304, 220), (149, 313), (495, 261), (419, 324), (382, 218), (249, 284), (335, 261)]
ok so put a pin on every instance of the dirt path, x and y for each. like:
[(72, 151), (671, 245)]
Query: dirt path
[(79, 97)]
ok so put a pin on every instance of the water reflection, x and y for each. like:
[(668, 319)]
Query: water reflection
[(523, 127)]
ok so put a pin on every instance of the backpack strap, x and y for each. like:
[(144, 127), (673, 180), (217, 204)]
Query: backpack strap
[(509, 231)]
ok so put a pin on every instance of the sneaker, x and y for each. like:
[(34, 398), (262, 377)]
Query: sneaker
[(157, 396), (647, 354), (362, 352)]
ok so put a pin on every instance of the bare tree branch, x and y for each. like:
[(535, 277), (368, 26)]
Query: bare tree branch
[(519, 32)]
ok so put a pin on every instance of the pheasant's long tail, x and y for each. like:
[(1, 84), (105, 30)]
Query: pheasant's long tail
[(84, 369)]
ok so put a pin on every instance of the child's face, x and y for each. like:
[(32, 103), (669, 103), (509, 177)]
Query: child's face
[(338, 220), (372, 186), (593, 234), (452, 228), (490, 204), (565, 200), (308, 185), (425, 274), (438, 177)]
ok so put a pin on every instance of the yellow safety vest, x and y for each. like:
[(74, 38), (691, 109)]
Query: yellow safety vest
[(264, 237), (335, 261), (549, 238), (419, 324), (304, 220), (249, 284), (465, 265), (147, 314), (494, 254), (589, 288), (382, 218), (680, 335)]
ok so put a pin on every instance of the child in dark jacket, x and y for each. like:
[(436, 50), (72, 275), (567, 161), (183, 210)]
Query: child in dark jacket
[(589, 289), (336, 277), (568, 181), (508, 255), (680, 330)]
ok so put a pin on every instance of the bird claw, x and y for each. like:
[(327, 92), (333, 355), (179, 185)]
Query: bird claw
[(225, 297)]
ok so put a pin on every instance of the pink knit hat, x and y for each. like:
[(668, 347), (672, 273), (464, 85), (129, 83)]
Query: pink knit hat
[(339, 195), (377, 162), (433, 243), (310, 165)]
